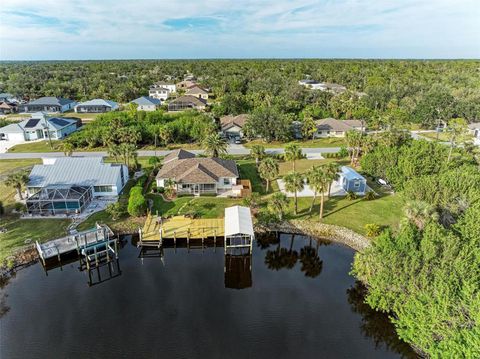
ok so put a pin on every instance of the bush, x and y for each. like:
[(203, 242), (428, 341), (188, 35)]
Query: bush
[(137, 205), (372, 230), (351, 196), (343, 152), (370, 195), (20, 207), (116, 210)]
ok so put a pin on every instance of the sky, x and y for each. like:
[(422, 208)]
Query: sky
[(165, 29)]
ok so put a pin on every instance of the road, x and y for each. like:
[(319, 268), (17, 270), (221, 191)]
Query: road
[(232, 150)]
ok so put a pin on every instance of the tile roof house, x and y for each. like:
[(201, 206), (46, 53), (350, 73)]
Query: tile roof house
[(330, 127), (197, 175), (187, 102), (49, 104), (185, 84), (8, 107), (197, 91), (146, 103), (35, 128), (232, 126), (96, 106)]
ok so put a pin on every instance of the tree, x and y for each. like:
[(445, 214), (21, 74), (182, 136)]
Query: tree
[(137, 205), (309, 128), (215, 145), (277, 204), (67, 148), (17, 181), (258, 152), (420, 213), (293, 184), (114, 151), (332, 170), (154, 161), (165, 134), (293, 153), (169, 185), (268, 170), (457, 128), (319, 179), (116, 210), (354, 142)]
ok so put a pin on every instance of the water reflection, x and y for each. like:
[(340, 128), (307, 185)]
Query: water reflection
[(238, 271)]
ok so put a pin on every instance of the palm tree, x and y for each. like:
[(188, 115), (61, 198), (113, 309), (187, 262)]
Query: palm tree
[(420, 213), (332, 170), (319, 180), (67, 148), (294, 183), (292, 153), (169, 185), (165, 134), (114, 151), (258, 152), (311, 263), (215, 145), (154, 161), (17, 180), (268, 170), (277, 204), (354, 142)]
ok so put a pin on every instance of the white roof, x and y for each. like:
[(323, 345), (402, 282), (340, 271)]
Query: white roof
[(238, 220), (98, 102)]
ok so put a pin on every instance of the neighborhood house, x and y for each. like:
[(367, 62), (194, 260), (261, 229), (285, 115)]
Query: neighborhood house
[(96, 106), (187, 102), (197, 91), (40, 126), (68, 184), (197, 175), (351, 180), (323, 86), (474, 129), (330, 127), (49, 104), (146, 103), (232, 126)]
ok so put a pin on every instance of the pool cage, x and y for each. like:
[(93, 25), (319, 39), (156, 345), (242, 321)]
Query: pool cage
[(59, 200)]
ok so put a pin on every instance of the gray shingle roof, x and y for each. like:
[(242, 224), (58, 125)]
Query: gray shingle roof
[(190, 99), (80, 171), (54, 123), (146, 101), (331, 124), (51, 101)]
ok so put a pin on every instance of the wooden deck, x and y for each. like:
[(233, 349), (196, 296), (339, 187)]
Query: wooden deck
[(182, 227)]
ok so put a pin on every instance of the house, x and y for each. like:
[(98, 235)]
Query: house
[(68, 184), (7, 97), (8, 107), (187, 102), (474, 129), (162, 90), (232, 126), (96, 106), (197, 175), (171, 87), (49, 104), (330, 127), (185, 84), (351, 180), (323, 86), (39, 126), (146, 103), (197, 91)]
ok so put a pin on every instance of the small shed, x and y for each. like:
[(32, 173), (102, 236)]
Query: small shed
[(238, 228), (351, 180)]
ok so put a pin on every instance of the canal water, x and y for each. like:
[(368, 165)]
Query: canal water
[(293, 298)]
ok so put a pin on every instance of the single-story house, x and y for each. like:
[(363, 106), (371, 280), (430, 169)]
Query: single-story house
[(232, 126), (8, 107), (197, 91), (474, 129), (68, 184), (146, 103), (97, 105), (328, 87), (351, 180), (49, 104), (40, 126), (197, 175), (7, 97), (331, 127), (185, 84), (187, 102)]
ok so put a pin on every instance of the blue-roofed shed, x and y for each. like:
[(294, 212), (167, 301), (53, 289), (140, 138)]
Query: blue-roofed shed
[(351, 180)]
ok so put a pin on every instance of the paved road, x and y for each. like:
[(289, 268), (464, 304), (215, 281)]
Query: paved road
[(231, 150)]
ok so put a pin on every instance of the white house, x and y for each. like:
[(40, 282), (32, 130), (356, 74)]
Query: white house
[(474, 129), (49, 104), (145, 103), (97, 105), (39, 126), (197, 175), (162, 90)]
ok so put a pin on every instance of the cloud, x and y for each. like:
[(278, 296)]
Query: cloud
[(67, 29)]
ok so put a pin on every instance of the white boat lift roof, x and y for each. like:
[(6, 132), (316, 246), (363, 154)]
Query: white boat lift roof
[(238, 221)]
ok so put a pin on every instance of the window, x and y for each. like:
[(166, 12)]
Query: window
[(103, 188), (356, 184), (226, 181)]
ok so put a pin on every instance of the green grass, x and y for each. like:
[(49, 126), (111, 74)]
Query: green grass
[(318, 142), (304, 165), (248, 170), (37, 146)]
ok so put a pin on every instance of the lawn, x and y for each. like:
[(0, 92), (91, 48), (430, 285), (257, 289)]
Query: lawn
[(37, 146), (248, 170), (442, 136), (318, 142)]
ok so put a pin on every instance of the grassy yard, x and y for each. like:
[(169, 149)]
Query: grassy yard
[(304, 165), (318, 142), (248, 170), (37, 146)]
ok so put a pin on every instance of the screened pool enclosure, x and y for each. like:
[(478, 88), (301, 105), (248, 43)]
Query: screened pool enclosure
[(59, 200)]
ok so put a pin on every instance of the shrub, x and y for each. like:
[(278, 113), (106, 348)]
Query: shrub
[(20, 207), (343, 152), (351, 196), (137, 205), (372, 230), (116, 210), (370, 195)]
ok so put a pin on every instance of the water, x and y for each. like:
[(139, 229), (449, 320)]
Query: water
[(294, 303)]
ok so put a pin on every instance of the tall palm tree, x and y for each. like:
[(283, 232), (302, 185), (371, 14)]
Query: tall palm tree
[(114, 151), (67, 148), (294, 183), (169, 185), (258, 152), (268, 170), (215, 145), (277, 204), (420, 213), (17, 180), (318, 180), (293, 153), (165, 134), (354, 142), (332, 170)]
